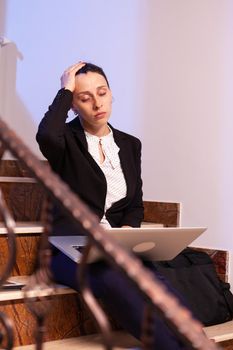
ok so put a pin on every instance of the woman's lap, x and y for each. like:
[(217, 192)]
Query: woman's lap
[(124, 302)]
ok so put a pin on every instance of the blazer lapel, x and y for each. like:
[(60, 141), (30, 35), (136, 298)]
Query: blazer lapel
[(78, 131), (124, 154), (79, 134)]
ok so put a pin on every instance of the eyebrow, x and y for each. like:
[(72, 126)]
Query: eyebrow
[(89, 93)]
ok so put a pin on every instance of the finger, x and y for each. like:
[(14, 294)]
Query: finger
[(75, 66)]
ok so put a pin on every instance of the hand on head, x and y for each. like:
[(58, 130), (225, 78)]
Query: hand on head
[(68, 77)]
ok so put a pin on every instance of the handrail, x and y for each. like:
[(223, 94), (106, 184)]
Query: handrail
[(156, 294)]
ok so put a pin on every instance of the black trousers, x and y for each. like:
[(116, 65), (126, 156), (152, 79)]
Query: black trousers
[(124, 302)]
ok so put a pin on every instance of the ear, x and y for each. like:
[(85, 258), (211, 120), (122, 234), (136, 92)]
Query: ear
[(74, 110)]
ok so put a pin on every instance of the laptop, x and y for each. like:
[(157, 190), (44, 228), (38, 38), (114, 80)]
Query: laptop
[(150, 243)]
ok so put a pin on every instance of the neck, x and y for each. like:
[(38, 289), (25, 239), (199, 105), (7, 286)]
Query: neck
[(100, 131)]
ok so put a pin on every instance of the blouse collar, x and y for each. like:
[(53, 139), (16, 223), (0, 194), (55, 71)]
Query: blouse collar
[(110, 148)]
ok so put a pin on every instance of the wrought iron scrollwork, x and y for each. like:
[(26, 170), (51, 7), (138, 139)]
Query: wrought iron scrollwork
[(10, 227), (91, 302), (40, 286), (6, 332)]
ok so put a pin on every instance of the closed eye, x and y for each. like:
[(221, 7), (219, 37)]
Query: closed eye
[(85, 99), (102, 93)]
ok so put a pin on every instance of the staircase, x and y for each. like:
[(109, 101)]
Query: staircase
[(68, 324), (67, 318)]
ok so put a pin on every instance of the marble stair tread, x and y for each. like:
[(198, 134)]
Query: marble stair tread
[(16, 293), (220, 332), (26, 227), (29, 227), (37, 227), (151, 224), (121, 341), (17, 179)]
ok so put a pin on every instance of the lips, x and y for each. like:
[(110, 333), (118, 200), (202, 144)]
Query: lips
[(100, 115)]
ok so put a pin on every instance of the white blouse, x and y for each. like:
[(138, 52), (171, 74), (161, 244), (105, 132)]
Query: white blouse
[(111, 167)]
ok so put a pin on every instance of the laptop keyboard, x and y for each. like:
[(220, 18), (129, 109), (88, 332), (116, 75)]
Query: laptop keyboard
[(79, 248)]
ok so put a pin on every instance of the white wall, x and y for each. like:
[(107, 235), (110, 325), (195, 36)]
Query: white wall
[(53, 35), (169, 63), (187, 123)]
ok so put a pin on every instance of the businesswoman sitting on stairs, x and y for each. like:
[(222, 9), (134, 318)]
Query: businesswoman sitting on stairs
[(103, 166)]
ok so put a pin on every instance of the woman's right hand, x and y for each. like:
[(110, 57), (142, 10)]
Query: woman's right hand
[(68, 77)]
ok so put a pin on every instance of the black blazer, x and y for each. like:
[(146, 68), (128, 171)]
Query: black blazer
[(65, 147)]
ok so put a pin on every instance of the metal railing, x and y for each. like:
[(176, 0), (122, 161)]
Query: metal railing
[(158, 298)]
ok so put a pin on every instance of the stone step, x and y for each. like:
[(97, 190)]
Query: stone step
[(121, 341), (220, 332), (66, 296), (14, 291), (27, 243), (67, 316), (65, 302), (29, 227), (24, 227), (25, 196), (27, 240)]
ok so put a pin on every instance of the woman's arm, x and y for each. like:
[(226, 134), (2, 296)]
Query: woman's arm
[(51, 131)]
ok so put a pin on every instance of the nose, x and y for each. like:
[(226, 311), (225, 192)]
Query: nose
[(97, 104)]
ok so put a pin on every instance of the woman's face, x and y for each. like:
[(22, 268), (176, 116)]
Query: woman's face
[(92, 100)]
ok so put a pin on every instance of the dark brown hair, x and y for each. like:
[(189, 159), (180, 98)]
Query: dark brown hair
[(89, 67)]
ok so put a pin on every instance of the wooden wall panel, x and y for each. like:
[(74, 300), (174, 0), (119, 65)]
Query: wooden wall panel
[(66, 318), (13, 168), (24, 200), (221, 261), (162, 213), (27, 246)]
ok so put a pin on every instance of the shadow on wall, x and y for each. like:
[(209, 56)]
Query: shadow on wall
[(12, 109), (2, 16)]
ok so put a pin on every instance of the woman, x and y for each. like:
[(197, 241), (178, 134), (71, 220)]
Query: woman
[(85, 151), (103, 166)]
